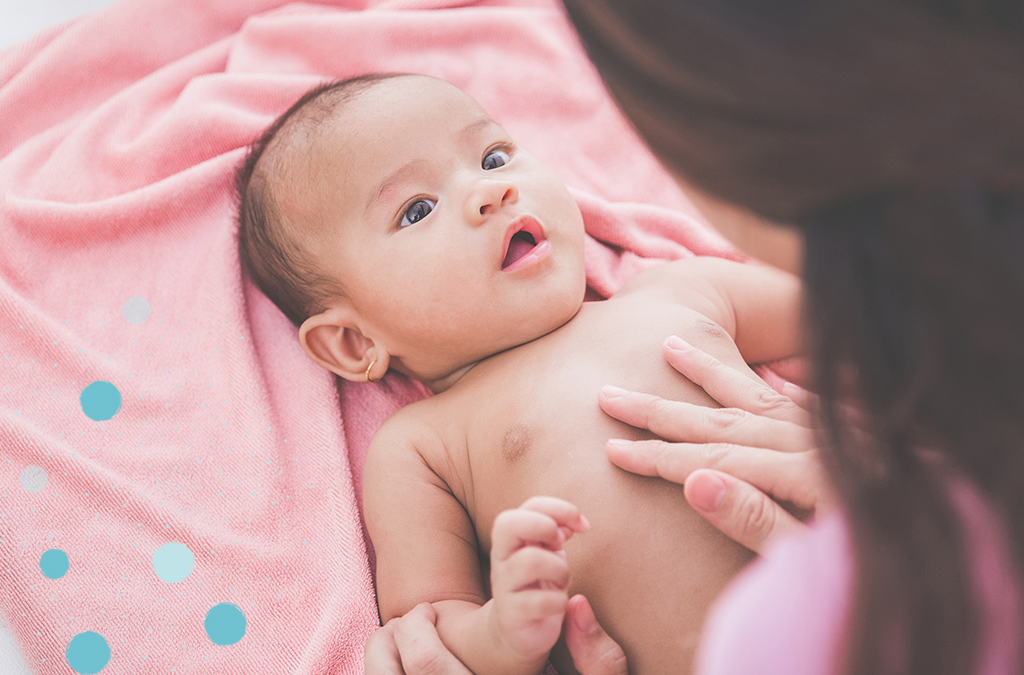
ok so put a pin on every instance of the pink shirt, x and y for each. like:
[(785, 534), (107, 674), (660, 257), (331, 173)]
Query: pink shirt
[(787, 613)]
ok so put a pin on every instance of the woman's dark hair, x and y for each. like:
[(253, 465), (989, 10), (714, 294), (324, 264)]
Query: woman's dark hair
[(891, 134)]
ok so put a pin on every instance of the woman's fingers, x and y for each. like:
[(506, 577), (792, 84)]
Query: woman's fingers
[(799, 396), (686, 422), (795, 477), (731, 388), (741, 511), (593, 651), (381, 655), (730, 459), (415, 641), (754, 414)]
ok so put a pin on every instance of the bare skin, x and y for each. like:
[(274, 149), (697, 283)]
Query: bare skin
[(439, 473), (503, 475)]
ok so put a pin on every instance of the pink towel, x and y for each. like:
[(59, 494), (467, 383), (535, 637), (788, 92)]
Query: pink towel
[(180, 484)]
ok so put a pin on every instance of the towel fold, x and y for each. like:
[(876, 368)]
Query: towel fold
[(180, 484)]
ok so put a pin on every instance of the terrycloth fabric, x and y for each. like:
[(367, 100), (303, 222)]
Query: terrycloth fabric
[(179, 482)]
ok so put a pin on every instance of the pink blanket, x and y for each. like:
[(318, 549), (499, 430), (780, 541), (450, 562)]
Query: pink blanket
[(180, 484)]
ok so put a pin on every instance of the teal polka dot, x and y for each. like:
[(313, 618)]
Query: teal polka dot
[(173, 562), (225, 624), (88, 653), (100, 400), (54, 563)]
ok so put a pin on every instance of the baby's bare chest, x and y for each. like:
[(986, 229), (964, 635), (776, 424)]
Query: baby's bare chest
[(529, 423)]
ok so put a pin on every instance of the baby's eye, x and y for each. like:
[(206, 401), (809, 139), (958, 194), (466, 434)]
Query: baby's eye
[(494, 159), (417, 211)]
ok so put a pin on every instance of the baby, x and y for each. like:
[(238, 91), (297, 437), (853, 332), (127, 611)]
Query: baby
[(401, 228)]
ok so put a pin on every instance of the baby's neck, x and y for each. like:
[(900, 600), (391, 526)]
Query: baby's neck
[(449, 380)]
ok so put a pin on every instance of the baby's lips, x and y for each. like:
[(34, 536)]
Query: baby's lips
[(526, 224)]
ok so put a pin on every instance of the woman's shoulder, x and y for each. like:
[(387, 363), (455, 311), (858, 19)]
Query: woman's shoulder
[(787, 612), (994, 577)]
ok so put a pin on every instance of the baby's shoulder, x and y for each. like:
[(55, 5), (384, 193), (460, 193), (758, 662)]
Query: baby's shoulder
[(685, 274), (408, 444), (694, 282), (413, 426)]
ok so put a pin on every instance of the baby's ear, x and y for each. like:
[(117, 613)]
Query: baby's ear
[(332, 339)]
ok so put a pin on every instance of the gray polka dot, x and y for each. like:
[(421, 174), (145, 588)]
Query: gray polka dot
[(136, 310), (34, 478)]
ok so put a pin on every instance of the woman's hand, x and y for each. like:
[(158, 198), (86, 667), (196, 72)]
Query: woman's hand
[(409, 645), (593, 651), (730, 459)]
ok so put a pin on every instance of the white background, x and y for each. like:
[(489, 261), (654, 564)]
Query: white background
[(21, 19)]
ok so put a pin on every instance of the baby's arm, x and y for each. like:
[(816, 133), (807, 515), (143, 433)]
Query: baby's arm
[(427, 551), (765, 304), (759, 306)]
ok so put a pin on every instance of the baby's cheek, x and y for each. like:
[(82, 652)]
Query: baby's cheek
[(569, 208)]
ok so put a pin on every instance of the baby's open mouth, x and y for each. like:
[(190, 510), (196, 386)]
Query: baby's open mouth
[(522, 242)]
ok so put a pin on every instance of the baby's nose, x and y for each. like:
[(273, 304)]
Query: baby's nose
[(492, 195)]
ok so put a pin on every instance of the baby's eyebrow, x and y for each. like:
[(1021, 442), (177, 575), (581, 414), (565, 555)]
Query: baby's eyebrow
[(393, 179), (474, 127), (410, 167)]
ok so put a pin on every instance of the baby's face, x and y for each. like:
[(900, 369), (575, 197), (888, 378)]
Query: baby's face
[(451, 242)]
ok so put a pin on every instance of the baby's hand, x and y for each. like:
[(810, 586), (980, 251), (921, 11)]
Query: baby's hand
[(529, 573)]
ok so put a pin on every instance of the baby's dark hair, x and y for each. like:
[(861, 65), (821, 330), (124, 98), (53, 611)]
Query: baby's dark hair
[(279, 266)]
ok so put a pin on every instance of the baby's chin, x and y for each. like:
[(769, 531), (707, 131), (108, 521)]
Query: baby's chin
[(560, 312), (568, 310)]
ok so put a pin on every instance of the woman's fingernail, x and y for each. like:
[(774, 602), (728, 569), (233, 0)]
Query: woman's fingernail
[(705, 491), (613, 392), (678, 344), (619, 443)]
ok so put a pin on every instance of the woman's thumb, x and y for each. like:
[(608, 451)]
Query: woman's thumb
[(593, 651)]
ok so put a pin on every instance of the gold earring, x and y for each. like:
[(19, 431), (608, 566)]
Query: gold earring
[(369, 368)]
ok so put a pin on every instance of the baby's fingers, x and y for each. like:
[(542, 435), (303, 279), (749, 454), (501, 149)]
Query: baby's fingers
[(546, 522), (561, 511), (531, 568), (518, 528), (534, 606)]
